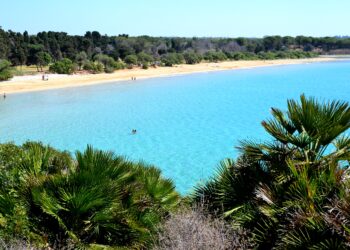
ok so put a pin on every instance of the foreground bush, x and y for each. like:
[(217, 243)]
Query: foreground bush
[(96, 198), (195, 229), (292, 192), (16, 244), (64, 66), (5, 70)]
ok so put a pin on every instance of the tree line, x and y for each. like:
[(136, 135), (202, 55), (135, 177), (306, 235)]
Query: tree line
[(97, 53), (21, 48)]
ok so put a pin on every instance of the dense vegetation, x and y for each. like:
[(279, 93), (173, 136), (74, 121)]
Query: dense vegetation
[(47, 197), (22, 48), (101, 53), (5, 70), (288, 193), (291, 192)]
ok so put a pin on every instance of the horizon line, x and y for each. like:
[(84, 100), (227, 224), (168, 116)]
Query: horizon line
[(174, 36)]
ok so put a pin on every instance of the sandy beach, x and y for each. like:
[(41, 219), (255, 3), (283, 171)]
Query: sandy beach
[(35, 83)]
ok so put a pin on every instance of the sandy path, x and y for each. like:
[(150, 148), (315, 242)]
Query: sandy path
[(34, 82)]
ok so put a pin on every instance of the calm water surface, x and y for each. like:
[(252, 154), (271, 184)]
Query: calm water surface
[(186, 124)]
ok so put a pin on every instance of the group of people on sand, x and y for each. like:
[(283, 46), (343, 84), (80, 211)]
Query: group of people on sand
[(133, 78)]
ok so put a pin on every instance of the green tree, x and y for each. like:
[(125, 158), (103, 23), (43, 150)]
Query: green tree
[(94, 67), (5, 70), (131, 60), (64, 66), (81, 58), (119, 65), (215, 56), (4, 44), (107, 61), (22, 57), (171, 59), (42, 59), (272, 43), (192, 58), (143, 57), (33, 50)]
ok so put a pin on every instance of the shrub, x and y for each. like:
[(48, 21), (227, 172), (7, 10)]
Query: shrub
[(109, 69), (81, 58), (93, 67), (195, 229), (143, 57), (97, 197), (214, 56), (131, 60), (266, 55), (145, 65), (237, 56), (171, 59), (192, 58), (64, 66), (119, 65), (107, 61), (243, 56), (5, 70), (16, 244)]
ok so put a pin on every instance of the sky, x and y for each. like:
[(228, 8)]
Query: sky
[(188, 18)]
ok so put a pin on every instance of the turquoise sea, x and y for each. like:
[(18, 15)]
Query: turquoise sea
[(185, 124)]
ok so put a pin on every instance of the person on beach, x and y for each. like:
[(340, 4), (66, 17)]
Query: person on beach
[(4, 95), (45, 77)]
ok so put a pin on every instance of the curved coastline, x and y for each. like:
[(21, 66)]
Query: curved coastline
[(22, 84)]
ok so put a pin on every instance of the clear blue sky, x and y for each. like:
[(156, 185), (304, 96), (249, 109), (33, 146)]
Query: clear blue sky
[(224, 18)]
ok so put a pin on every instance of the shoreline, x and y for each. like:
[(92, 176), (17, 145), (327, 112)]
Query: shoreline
[(30, 83)]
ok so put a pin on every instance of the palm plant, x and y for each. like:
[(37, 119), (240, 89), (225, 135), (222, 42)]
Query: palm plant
[(232, 187), (22, 169), (106, 200), (96, 198), (295, 177), (305, 133)]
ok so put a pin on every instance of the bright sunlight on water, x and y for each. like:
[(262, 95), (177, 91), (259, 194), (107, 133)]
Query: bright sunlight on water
[(185, 124)]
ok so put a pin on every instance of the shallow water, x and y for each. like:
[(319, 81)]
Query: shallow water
[(185, 124)]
